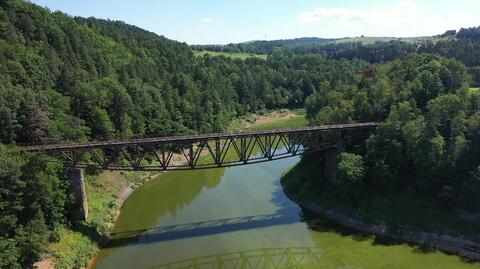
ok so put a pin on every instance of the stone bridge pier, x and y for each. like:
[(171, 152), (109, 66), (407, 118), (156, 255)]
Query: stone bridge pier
[(77, 189), (136, 154), (330, 169)]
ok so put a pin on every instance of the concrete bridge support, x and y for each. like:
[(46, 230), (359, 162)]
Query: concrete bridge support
[(79, 193), (330, 170)]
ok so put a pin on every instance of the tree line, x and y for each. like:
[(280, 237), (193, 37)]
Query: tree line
[(463, 46), (65, 79), (429, 139), (72, 79)]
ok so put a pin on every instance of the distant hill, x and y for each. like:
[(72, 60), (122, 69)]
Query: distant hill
[(262, 46), (266, 47), (463, 45), (293, 42), (366, 40)]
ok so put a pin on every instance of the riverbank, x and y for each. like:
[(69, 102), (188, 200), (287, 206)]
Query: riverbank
[(108, 191), (78, 244), (310, 198)]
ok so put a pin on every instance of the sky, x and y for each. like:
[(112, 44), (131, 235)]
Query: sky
[(226, 21)]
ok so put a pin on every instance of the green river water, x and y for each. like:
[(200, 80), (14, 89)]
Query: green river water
[(239, 217)]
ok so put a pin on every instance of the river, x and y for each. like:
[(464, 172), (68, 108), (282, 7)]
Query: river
[(239, 217)]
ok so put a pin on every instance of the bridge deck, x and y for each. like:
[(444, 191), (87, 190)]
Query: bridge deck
[(190, 138)]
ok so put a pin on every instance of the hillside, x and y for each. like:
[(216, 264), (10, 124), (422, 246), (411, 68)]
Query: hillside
[(71, 79), (266, 47), (369, 40), (463, 45), (294, 42), (65, 79)]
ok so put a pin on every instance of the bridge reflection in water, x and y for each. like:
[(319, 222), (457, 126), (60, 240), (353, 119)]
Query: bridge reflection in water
[(266, 258)]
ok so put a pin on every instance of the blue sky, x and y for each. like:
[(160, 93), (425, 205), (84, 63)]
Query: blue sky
[(225, 21)]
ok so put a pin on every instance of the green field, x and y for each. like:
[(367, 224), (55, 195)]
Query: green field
[(240, 55), (474, 90)]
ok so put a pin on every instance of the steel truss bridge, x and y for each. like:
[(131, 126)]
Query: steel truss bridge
[(216, 150), (294, 257)]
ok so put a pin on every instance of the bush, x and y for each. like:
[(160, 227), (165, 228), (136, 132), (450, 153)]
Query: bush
[(9, 253), (73, 251), (351, 171)]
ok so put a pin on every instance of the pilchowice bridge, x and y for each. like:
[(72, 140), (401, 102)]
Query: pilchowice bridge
[(217, 150)]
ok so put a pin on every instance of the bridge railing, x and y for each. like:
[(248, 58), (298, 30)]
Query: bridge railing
[(185, 152), (188, 138)]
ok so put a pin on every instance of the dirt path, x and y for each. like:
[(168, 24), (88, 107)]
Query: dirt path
[(47, 262)]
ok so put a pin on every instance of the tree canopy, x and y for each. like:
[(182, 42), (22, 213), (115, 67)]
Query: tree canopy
[(66, 79)]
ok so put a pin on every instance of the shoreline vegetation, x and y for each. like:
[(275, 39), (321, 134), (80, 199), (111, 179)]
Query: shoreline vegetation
[(67, 78), (108, 191), (396, 225)]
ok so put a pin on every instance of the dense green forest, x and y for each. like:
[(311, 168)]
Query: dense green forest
[(76, 79), (429, 139), (421, 167), (66, 78), (463, 46)]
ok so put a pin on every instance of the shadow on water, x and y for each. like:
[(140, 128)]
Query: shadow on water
[(287, 257), (171, 194), (319, 223), (286, 213), (188, 230)]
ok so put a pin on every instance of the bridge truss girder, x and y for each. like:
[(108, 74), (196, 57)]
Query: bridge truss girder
[(221, 151)]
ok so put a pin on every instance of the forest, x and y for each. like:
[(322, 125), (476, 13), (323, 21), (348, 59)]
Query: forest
[(429, 138), (463, 46), (71, 79)]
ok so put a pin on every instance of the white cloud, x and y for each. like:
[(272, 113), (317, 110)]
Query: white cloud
[(405, 18), (207, 20)]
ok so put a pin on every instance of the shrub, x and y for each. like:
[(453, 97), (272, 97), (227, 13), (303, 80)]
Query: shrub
[(351, 171)]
